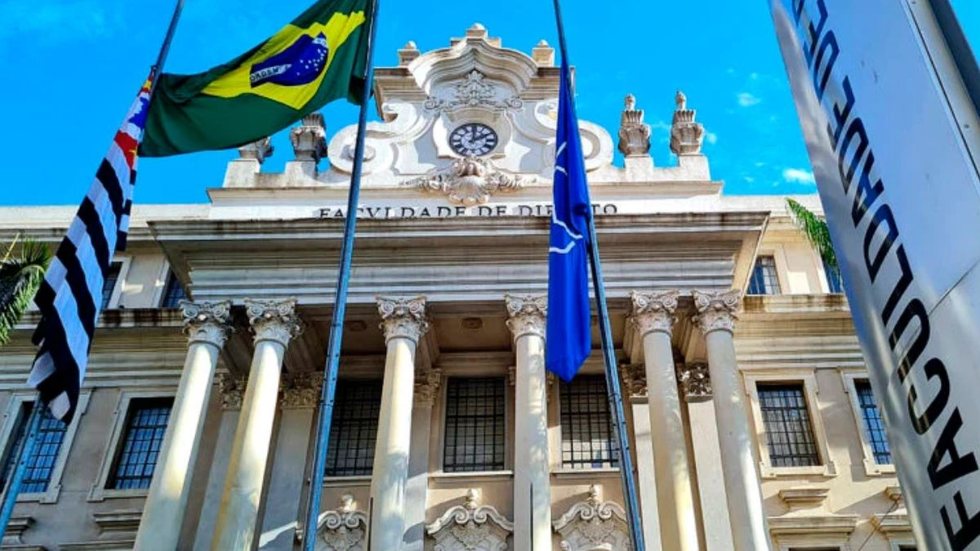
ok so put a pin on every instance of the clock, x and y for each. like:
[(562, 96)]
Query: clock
[(473, 139)]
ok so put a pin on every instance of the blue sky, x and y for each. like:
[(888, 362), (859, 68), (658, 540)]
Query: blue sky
[(73, 66)]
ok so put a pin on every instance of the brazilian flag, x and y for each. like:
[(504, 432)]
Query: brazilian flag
[(317, 58)]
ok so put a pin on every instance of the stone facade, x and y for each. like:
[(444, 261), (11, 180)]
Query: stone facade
[(449, 272)]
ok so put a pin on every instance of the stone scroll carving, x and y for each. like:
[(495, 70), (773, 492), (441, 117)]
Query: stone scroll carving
[(471, 527), (343, 529), (473, 90), (469, 181), (716, 310), (526, 315), (206, 321), (403, 317), (594, 524), (274, 320), (653, 311)]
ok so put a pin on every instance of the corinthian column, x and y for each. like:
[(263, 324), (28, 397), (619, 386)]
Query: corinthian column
[(716, 318), (404, 323), (532, 476), (206, 326), (275, 324)]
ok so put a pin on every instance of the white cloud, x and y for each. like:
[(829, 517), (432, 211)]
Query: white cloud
[(745, 99), (55, 24), (798, 176), (711, 137)]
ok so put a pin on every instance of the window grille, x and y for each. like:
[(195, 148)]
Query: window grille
[(764, 279), (873, 423), (44, 455), (137, 459), (587, 440), (109, 285), (173, 293), (835, 283), (789, 433), (475, 425), (354, 428)]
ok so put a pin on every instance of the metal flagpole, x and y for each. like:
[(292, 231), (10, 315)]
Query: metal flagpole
[(326, 405), (609, 355), (13, 485)]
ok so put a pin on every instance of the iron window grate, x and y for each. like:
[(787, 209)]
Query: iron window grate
[(764, 280), (354, 429), (137, 459), (587, 440), (475, 425), (109, 284), (43, 457), (874, 423), (789, 433)]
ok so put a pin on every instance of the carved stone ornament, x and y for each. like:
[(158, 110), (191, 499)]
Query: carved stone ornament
[(309, 139), (343, 529), (259, 150), (471, 527), (300, 390), (716, 310), (634, 135), (594, 524), (685, 134), (634, 378), (273, 320), (206, 322), (427, 386), (473, 90), (526, 315), (402, 317), (468, 181), (232, 390), (654, 311), (695, 381)]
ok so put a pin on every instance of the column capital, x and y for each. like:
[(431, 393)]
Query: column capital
[(402, 317), (654, 311), (695, 381), (526, 315), (232, 390), (426, 386), (634, 378), (273, 320), (206, 322), (300, 390), (716, 310)]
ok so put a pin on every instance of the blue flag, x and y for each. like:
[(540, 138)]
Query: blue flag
[(569, 331)]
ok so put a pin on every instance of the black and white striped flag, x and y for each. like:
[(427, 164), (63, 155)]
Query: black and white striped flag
[(70, 298)]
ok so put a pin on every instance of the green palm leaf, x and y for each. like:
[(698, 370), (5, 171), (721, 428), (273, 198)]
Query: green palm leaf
[(20, 277), (815, 229)]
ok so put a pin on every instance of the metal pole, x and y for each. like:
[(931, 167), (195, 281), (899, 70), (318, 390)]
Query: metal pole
[(609, 356), (26, 448), (326, 405), (165, 47)]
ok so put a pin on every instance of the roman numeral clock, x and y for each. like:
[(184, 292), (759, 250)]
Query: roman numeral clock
[(473, 139)]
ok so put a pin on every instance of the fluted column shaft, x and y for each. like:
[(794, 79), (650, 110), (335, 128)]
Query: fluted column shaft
[(206, 326), (274, 324), (716, 318), (403, 322), (653, 318), (532, 475)]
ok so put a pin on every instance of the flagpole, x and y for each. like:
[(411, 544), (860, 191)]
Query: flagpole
[(329, 389), (12, 486), (609, 355)]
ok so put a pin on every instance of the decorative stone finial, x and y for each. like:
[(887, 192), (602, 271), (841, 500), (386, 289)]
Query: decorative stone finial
[(654, 311), (347, 504), (469, 181), (543, 54), (716, 310), (309, 139), (403, 317), (634, 135), (259, 150), (695, 381), (408, 53), (472, 499), (685, 134), (477, 30), (274, 320), (526, 315), (595, 496), (206, 321)]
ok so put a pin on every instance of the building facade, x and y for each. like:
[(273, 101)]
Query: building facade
[(750, 416)]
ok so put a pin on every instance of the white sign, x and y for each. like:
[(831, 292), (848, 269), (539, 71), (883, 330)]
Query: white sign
[(891, 151)]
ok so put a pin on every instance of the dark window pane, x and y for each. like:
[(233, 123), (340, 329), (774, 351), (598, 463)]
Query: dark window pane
[(173, 293), (586, 426), (474, 425), (40, 465), (873, 423), (789, 434), (354, 428), (144, 435), (764, 280), (109, 284)]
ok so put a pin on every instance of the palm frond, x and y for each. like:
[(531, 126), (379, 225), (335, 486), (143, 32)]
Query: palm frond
[(20, 278), (815, 229)]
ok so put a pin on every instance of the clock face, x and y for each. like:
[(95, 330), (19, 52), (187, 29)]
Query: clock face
[(473, 139)]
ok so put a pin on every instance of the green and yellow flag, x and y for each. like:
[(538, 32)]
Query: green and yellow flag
[(317, 58)]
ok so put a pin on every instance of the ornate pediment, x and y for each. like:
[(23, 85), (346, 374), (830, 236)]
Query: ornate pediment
[(593, 524), (471, 527), (344, 529), (469, 181), (473, 90)]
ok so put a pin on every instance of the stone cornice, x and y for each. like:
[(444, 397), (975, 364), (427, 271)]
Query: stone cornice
[(206, 322), (526, 315), (654, 311), (274, 320), (716, 310), (402, 317)]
